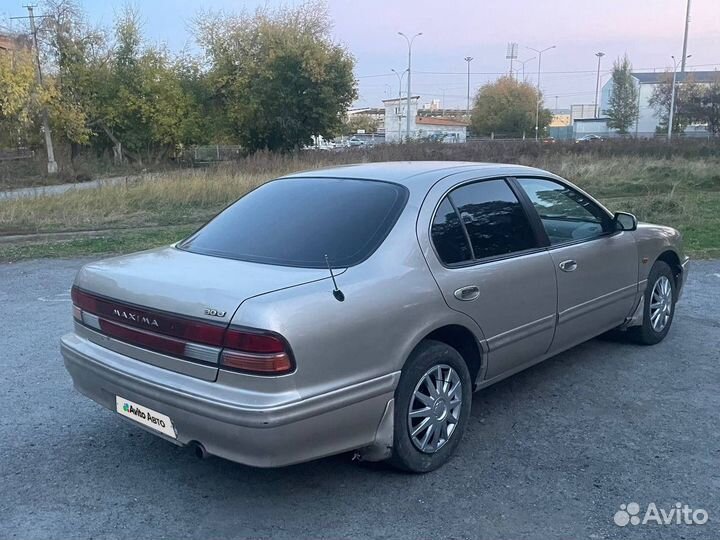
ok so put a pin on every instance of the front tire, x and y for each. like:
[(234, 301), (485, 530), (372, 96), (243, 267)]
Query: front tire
[(432, 405), (659, 308)]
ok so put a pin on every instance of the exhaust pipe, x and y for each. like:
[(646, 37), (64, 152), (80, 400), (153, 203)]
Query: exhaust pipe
[(199, 450)]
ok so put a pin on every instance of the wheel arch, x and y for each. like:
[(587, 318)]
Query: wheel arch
[(671, 258), (462, 339)]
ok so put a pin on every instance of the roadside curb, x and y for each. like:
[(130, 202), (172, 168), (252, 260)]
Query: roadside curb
[(72, 235)]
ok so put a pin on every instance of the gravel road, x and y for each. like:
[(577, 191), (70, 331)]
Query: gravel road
[(549, 453)]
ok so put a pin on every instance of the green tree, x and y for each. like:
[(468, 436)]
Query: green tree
[(623, 108), (73, 52), (691, 104), (708, 106), (360, 122), (143, 105), (508, 107), (277, 76), (18, 108)]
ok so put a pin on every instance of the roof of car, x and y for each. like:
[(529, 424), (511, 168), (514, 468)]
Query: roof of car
[(405, 172)]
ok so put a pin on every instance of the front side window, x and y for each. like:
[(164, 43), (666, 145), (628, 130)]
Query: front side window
[(492, 217), (297, 221), (566, 214)]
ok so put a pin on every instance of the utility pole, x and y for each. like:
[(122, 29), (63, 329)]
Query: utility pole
[(685, 39), (537, 101), (468, 59), (409, 71), (597, 83), (52, 167)]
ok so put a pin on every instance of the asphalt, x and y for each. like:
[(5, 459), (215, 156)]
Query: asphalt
[(59, 189), (549, 453)]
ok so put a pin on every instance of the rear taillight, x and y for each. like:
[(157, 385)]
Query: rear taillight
[(242, 349), (256, 352)]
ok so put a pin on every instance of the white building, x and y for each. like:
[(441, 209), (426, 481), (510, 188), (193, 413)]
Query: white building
[(648, 121), (396, 118), (421, 127), (447, 130)]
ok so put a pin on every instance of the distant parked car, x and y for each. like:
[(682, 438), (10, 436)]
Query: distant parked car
[(354, 141), (589, 138), (359, 307)]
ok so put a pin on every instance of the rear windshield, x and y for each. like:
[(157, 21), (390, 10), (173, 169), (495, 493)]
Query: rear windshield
[(297, 221)]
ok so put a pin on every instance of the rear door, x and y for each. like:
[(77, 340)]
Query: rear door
[(489, 263), (596, 266)]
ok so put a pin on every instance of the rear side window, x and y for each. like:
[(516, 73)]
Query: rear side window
[(448, 235), (296, 221), (493, 217)]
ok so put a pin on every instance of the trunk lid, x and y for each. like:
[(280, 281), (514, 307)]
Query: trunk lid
[(162, 291)]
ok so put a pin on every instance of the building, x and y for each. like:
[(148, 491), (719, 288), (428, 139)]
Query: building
[(448, 130), (647, 122), (396, 118), (14, 42)]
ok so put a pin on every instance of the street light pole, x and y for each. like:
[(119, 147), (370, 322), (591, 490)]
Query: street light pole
[(468, 59), (685, 38), (672, 96), (537, 101), (400, 78), (409, 72), (523, 62), (597, 83)]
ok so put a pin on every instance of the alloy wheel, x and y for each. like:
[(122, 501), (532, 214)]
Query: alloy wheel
[(661, 304), (435, 408)]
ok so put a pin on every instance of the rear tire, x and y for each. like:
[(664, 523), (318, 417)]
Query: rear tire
[(659, 308), (435, 386)]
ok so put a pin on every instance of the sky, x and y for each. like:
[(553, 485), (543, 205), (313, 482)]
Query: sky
[(649, 31)]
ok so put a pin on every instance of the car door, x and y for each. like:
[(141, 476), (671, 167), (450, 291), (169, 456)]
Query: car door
[(596, 266), (490, 264)]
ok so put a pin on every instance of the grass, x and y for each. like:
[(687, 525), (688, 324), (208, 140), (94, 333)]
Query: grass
[(682, 190), (104, 244)]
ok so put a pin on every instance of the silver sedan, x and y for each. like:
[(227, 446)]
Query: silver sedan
[(359, 308)]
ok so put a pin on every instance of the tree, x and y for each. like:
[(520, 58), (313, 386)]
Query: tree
[(143, 105), (624, 108), (18, 109), (508, 107), (709, 106), (277, 75), (360, 122), (74, 53), (694, 103)]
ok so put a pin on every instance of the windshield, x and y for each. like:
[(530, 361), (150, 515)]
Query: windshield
[(297, 221)]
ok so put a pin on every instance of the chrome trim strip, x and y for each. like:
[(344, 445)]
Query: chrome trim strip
[(204, 353), (91, 320), (583, 309), (171, 363), (521, 332)]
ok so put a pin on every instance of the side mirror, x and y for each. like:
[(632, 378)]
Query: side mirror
[(625, 222)]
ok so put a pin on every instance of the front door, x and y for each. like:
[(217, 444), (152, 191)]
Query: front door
[(489, 264), (596, 266)]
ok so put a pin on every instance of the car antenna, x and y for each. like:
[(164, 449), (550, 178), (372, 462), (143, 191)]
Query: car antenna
[(337, 293)]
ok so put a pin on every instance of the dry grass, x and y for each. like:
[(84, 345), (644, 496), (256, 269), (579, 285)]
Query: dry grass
[(683, 191)]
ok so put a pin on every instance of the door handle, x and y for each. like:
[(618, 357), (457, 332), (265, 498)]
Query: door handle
[(568, 266), (471, 292)]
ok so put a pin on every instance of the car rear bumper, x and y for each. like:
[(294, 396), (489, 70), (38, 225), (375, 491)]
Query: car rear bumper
[(268, 436)]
